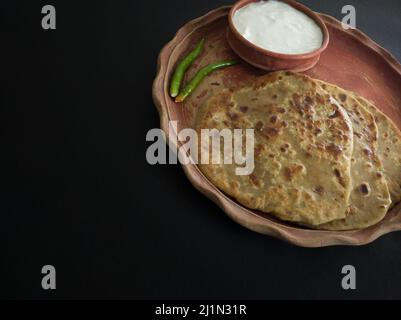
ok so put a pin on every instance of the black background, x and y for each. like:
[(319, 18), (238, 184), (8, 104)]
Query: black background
[(77, 192)]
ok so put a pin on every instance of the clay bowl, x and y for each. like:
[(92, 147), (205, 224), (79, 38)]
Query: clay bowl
[(273, 61)]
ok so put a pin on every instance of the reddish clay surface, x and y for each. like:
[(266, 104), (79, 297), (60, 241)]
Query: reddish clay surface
[(352, 61)]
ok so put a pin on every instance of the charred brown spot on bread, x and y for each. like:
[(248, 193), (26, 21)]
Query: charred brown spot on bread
[(318, 131), (274, 97), (291, 171), (270, 132), (273, 119), (259, 126), (288, 173), (357, 134), (334, 149), (215, 84), (244, 109), (255, 180), (297, 99), (319, 190), (364, 188), (280, 110), (233, 116), (258, 150), (345, 137), (339, 177), (284, 147), (342, 97), (320, 146), (308, 101), (303, 107), (260, 84), (319, 99), (367, 152)]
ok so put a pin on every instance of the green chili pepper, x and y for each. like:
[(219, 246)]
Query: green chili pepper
[(182, 67), (202, 73)]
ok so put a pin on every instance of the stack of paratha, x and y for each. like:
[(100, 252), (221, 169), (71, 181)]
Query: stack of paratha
[(323, 157)]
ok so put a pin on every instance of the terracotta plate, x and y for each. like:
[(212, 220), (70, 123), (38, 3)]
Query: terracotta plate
[(352, 61)]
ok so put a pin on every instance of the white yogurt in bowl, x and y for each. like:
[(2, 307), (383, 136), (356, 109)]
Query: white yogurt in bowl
[(278, 27)]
